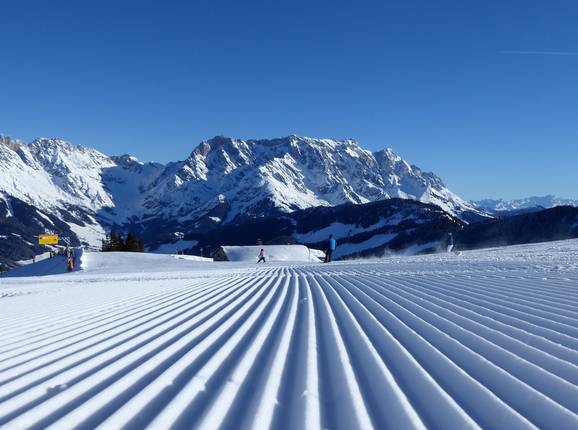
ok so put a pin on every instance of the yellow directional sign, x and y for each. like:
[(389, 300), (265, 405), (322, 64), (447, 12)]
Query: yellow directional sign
[(48, 239)]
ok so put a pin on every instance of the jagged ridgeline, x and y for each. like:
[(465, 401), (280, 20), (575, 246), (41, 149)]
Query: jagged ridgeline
[(222, 181)]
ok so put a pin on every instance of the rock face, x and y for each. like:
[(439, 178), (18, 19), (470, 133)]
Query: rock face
[(222, 181)]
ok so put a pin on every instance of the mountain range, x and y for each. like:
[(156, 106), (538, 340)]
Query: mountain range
[(223, 180), (501, 206), (79, 192)]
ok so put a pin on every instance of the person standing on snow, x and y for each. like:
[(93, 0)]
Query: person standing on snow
[(331, 245), (450, 242), (261, 256)]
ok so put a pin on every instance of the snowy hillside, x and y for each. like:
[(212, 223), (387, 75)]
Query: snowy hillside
[(20, 223), (501, 205), (223, 179), (77, 185), (369, 229), (51, 173), (487, 339)]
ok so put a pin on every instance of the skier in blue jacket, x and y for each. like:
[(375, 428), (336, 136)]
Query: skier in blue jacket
[(331, 245), (450, 247)]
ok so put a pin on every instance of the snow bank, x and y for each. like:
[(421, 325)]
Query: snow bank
[(138, 262), (272, 253), (192, 258), (317, 254), (111, 263)]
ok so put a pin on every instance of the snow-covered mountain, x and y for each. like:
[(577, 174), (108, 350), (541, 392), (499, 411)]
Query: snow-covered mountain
[(52, 173), (250, 178), (502, 205), (83, 187), (222, 180)]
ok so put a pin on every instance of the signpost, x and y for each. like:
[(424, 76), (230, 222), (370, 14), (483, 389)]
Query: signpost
[(53, 239), (48, 239)]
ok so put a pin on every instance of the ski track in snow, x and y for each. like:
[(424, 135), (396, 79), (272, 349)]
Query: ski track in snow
[(486, 340)]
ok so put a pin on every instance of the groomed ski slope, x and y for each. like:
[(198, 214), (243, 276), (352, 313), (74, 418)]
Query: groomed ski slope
[(488, 339)]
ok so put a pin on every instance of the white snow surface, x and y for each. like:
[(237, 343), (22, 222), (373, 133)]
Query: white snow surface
[(485, 339)]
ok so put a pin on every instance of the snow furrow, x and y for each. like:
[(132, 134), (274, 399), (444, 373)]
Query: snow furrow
[(210, 374), (539, 408), (422, 390), (87, 372), (478, 401), (511, 339), (502, 290), (102, 324), (557, 389), (522, 330), (436, 342), (170, 378), (115, 335), (538, 325), (343, 392), (550, 317)]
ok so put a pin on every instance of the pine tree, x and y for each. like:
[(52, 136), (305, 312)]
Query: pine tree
[(132, 243), (116, 242)]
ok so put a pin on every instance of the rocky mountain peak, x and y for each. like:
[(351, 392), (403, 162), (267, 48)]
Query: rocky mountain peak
[(126, 160), (10, 143)]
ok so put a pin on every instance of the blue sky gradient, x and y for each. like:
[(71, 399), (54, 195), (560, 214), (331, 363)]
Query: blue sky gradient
[(483, 93)]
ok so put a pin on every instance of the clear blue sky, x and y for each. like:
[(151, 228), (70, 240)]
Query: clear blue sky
[(483, 93)]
